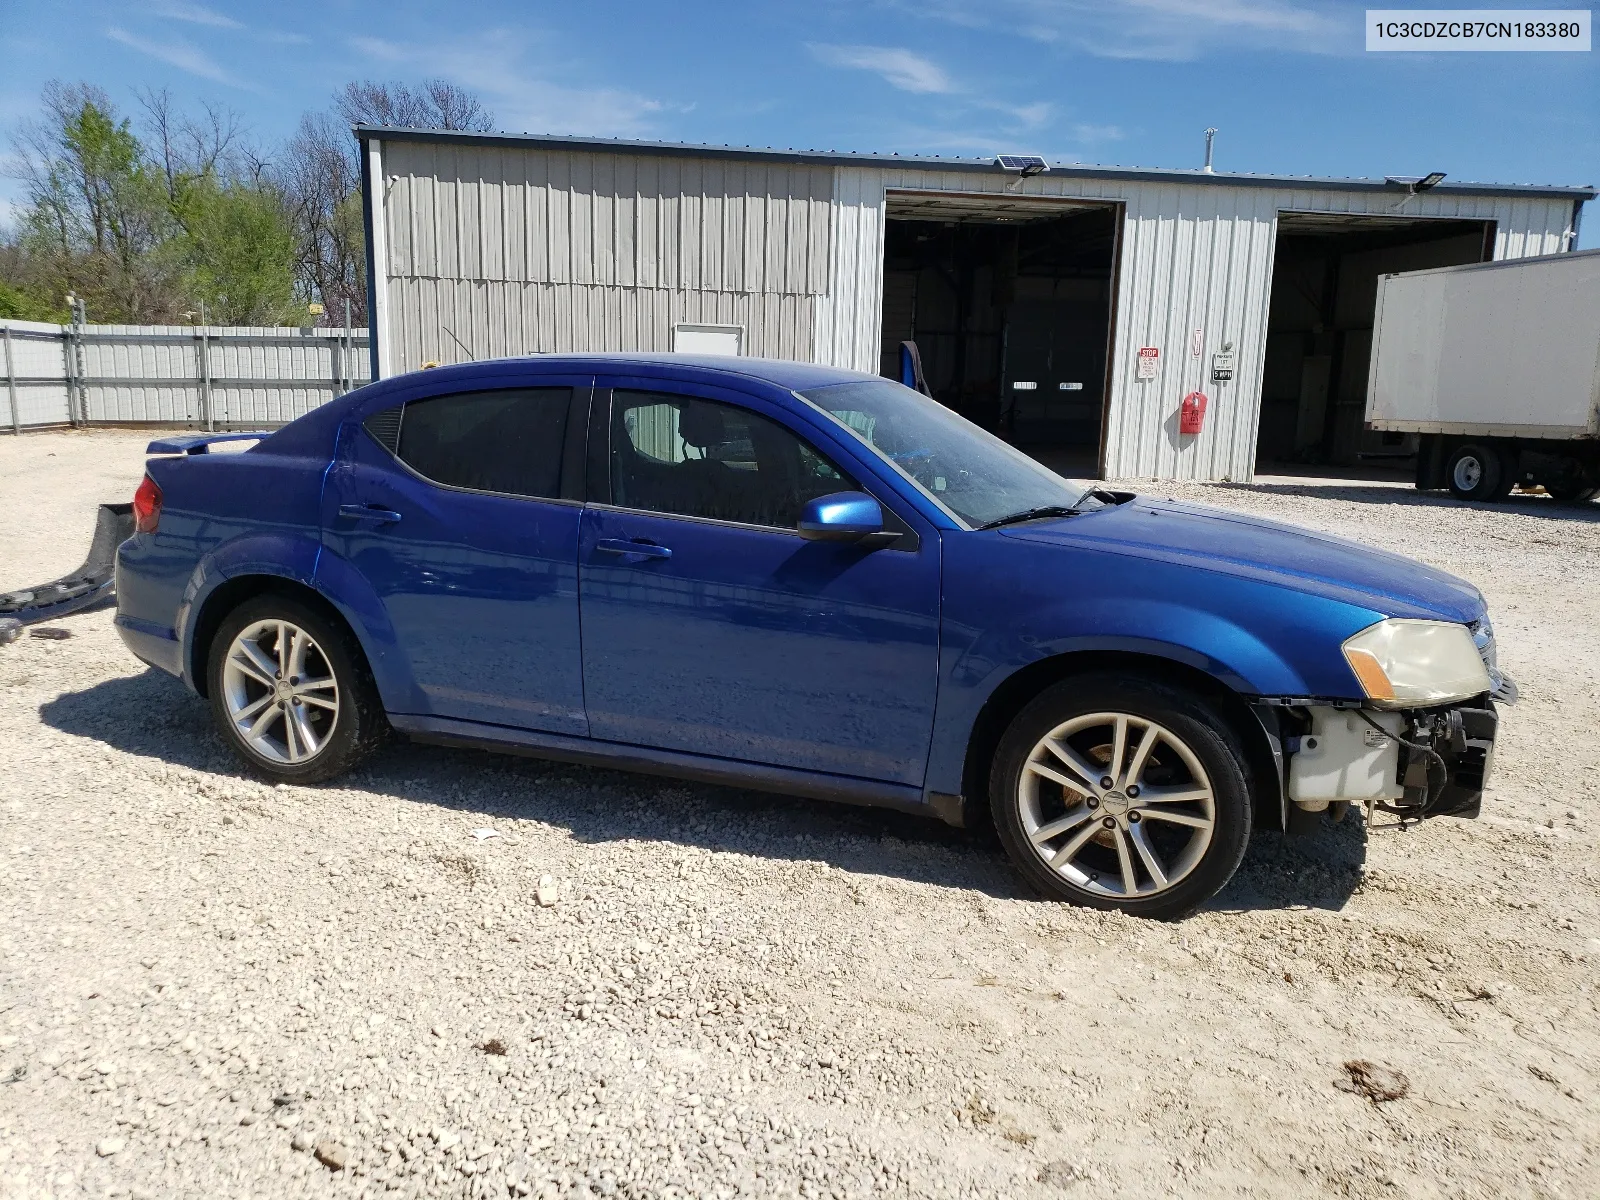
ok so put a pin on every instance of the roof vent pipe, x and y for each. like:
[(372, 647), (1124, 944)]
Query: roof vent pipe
[(1210, 137)]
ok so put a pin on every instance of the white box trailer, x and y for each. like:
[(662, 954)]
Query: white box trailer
[(1497, 367)]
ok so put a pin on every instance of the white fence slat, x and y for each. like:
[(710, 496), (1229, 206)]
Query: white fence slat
[(174, 374)]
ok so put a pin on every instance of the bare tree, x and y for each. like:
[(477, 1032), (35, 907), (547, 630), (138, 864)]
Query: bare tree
[(211, 144), (319, 174), (435, 104)]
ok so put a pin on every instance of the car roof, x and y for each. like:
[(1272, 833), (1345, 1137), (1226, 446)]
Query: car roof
[(791, 376)]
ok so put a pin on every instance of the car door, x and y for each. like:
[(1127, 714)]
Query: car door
[(710, 626), (462, 512)]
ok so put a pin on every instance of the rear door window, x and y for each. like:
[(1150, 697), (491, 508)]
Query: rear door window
[(508, 441), (700, 458)]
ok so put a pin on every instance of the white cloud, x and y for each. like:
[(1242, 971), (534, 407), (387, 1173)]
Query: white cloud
[(177, 52), (525, 94), (970, 117), (1167, 30), (1025, 116), (195, 14), (1090, 134), (902, 68)]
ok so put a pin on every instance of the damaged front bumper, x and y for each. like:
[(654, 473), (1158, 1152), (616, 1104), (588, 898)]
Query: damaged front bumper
[(1411, 763)]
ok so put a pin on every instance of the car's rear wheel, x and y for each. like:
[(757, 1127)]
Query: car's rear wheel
[(1122, 794), (291, 693)]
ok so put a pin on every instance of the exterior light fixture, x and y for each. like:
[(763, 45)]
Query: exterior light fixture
[(1431, 180)]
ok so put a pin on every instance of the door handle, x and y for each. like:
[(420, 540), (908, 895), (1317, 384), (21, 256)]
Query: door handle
[(627, 546), (366, 512)]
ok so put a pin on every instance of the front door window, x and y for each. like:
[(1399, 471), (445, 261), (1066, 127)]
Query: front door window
[(700, 458)]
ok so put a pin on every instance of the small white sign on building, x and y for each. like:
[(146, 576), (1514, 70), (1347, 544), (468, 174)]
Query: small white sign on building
[(1149, 362), (708, 339)]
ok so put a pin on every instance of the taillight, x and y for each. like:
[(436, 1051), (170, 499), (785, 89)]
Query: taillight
[(147, 506)]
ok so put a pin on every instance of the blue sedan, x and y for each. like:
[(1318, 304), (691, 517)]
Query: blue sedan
[(808, 580)]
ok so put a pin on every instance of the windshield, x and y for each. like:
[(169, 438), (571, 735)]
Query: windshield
[(969, 471)]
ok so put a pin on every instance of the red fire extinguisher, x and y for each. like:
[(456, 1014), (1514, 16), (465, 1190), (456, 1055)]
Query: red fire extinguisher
[(1193, 413)]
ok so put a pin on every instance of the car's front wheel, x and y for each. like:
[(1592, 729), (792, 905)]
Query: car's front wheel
[(290, 691), (1119, 793)]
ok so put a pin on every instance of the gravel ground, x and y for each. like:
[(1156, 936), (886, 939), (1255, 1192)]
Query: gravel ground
[(217, 988)]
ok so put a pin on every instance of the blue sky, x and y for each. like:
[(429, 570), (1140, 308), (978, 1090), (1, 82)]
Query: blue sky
[(1130, 82)]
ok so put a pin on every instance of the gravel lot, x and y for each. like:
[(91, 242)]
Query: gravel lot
[(216, 988)]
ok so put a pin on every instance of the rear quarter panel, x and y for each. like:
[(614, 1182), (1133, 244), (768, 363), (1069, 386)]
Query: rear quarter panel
[(222, 516)]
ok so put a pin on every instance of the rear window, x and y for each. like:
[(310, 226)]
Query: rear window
[(502, 441)]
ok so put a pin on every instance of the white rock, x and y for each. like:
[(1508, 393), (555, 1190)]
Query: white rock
[(106, 1147), (548, 892)]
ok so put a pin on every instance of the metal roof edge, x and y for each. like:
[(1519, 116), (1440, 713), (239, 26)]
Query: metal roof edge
[(1498, 264), (929, 163)]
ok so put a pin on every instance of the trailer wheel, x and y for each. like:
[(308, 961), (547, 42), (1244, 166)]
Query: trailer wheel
[(1477, 472), (1572, 493)]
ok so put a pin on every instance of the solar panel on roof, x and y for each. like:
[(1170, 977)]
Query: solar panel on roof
[(1030, 164)]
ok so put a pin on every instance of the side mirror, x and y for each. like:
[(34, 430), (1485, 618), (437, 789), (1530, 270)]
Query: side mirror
[(841, 517)]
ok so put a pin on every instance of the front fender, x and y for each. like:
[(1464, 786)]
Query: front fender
[(1251, 637), (1207, 641)]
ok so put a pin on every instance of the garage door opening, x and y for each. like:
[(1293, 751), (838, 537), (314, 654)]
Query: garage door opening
[(1319, 333), (1008, 299)]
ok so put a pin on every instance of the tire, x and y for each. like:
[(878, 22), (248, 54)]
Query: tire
[(1572, 493), (328, 717), (1193, 754), (1477, 472)]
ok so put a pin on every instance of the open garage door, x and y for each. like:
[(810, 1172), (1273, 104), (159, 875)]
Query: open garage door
[(1319, 333), (1008, 299)]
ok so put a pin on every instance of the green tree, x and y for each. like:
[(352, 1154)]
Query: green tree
[(236, 251), (96, 209)]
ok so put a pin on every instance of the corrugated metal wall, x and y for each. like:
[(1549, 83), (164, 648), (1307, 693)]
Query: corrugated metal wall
[(454, 320), (1193, 256), (502, 250), (495, 251), (175, 374)]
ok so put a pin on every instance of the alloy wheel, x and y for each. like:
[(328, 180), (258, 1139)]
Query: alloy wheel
[(1117, 805), (280, 692)]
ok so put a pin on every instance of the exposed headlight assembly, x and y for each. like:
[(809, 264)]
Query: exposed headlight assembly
[(1413, 664)]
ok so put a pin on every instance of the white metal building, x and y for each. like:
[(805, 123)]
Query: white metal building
[(1033, 301)]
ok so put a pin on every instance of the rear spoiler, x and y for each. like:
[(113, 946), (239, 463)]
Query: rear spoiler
[(199, 443)]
